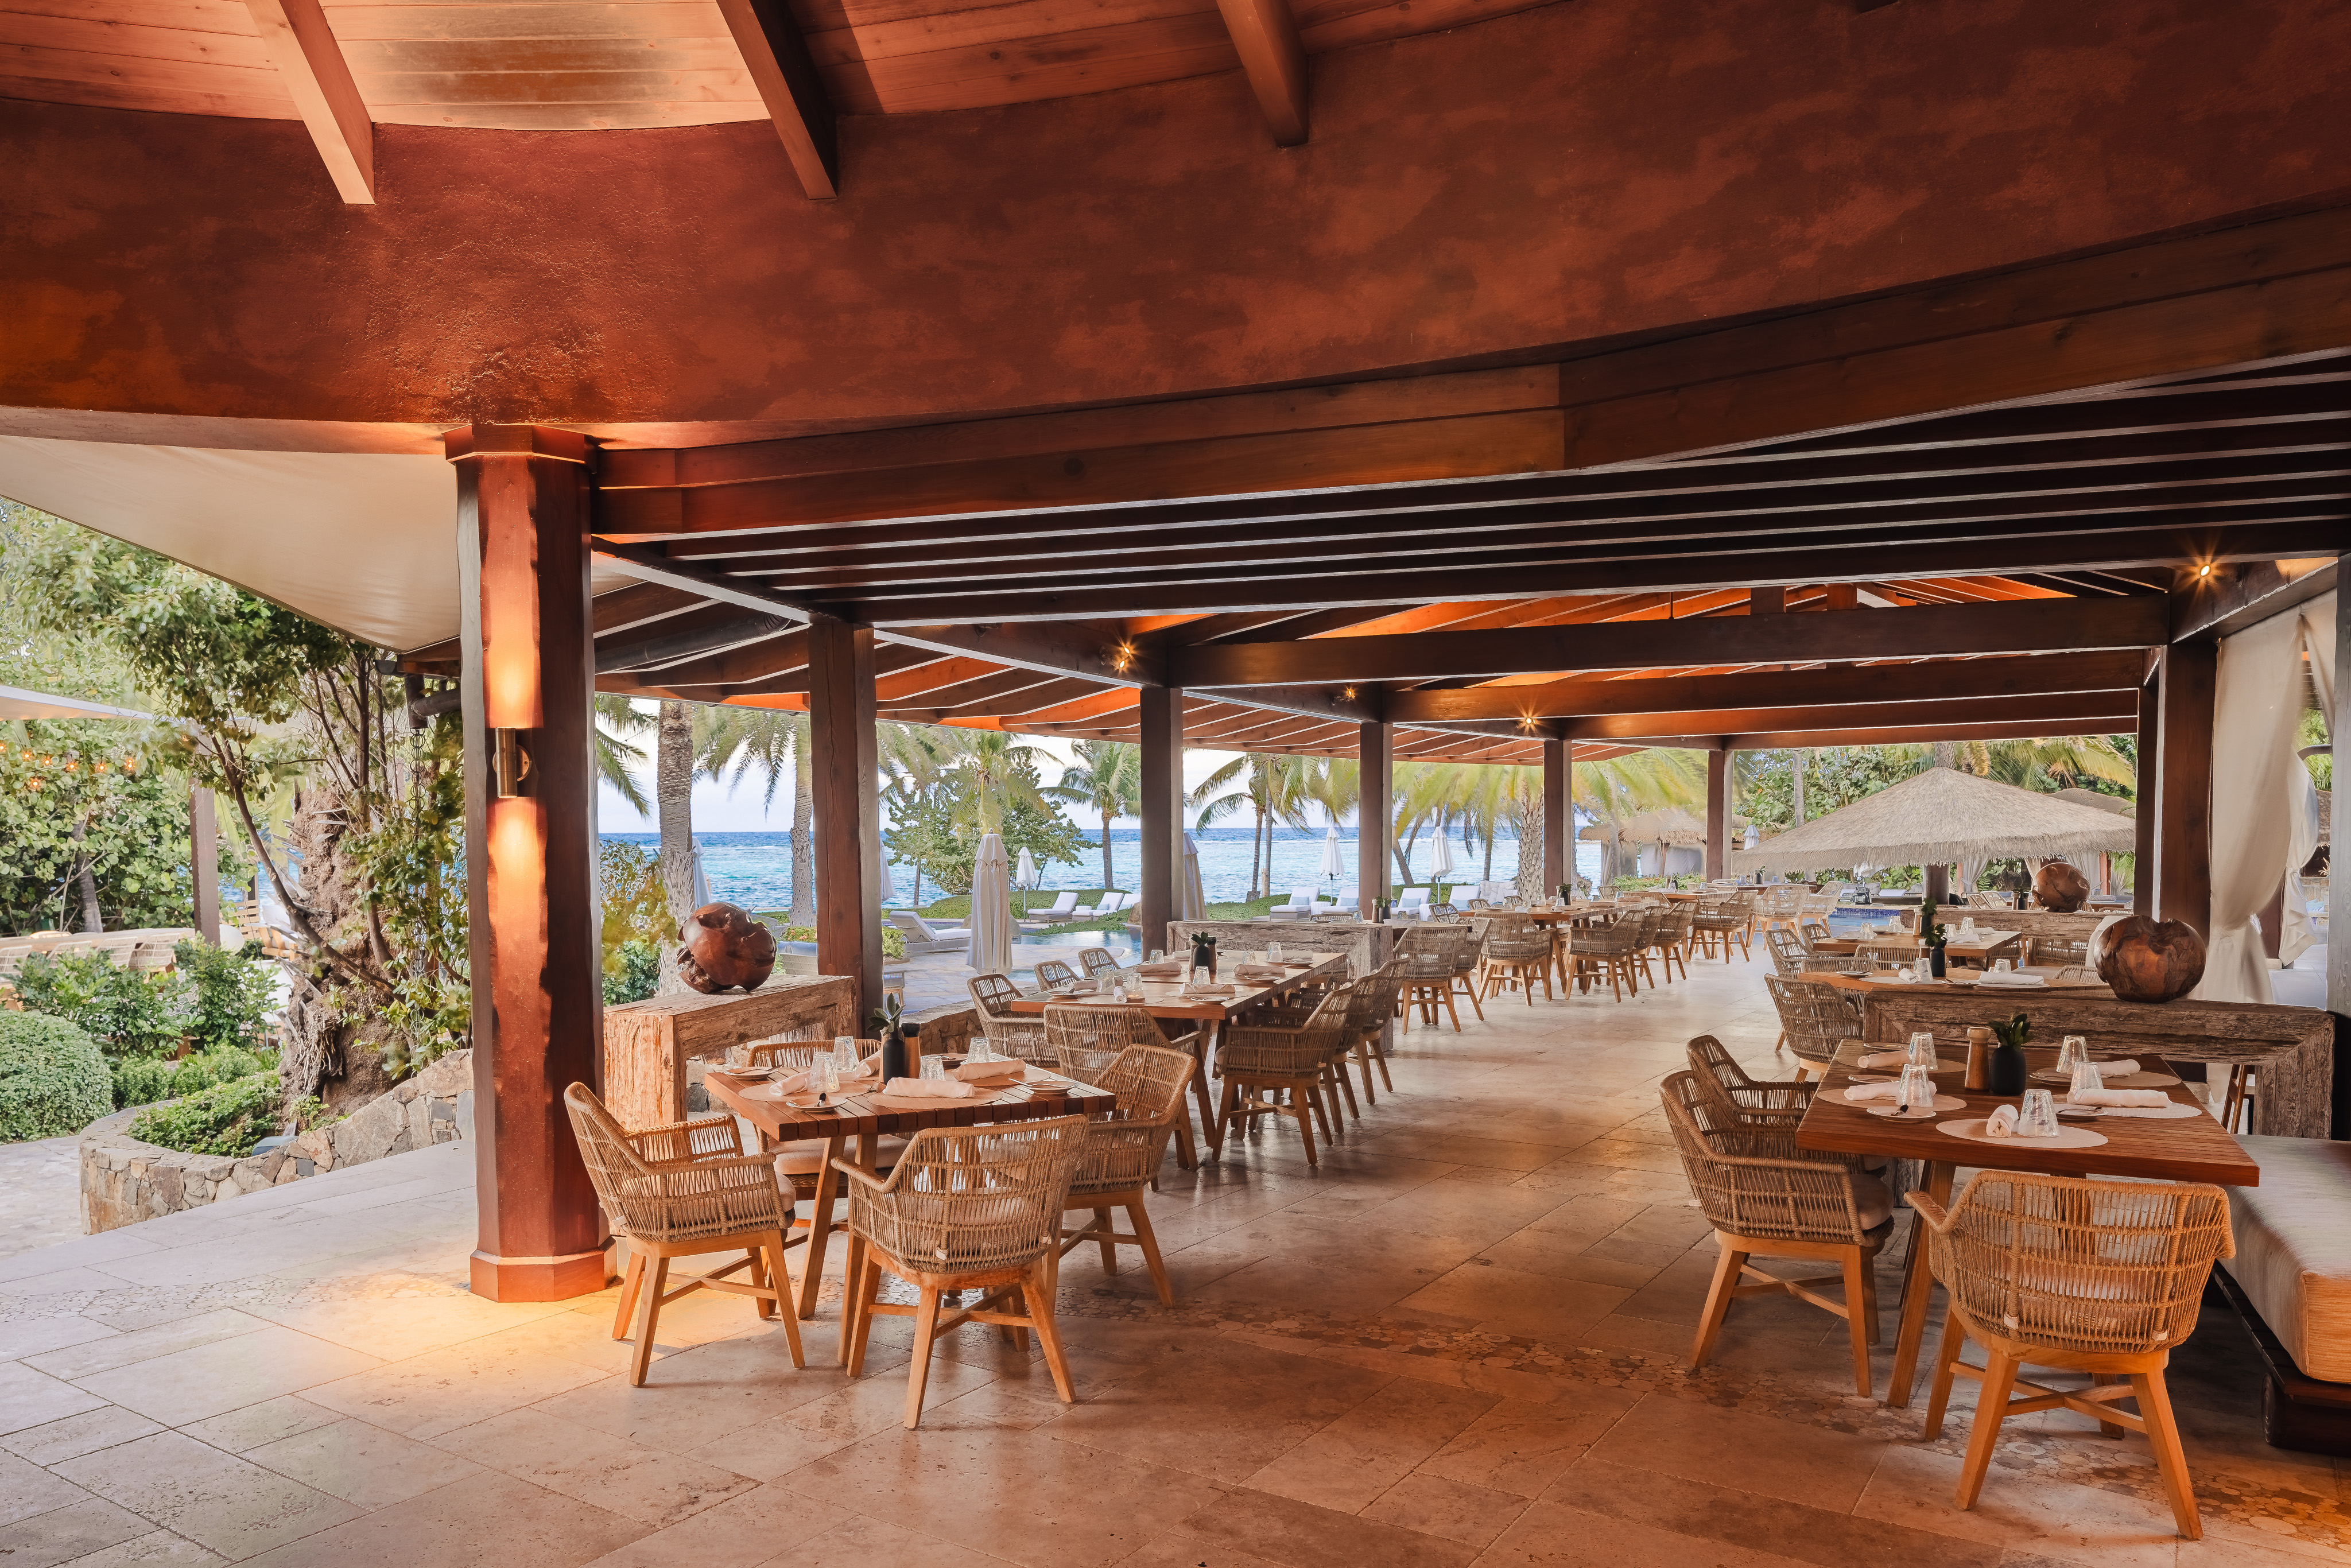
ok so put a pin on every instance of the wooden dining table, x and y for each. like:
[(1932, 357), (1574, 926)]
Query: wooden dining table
[(1166, 999), (2195, 1148), (1042, 1093)]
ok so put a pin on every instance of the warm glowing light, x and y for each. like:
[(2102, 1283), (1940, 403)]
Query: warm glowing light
[(1122, 658), (1349, 694), (2204, 570)]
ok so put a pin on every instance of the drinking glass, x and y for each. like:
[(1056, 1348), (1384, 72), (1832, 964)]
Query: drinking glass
[(845, 1062), (1118, 992), (1199, 974), (738, 1055), (823, 1077), (1922, 1049), (2037, 1117), (1159, 955), (1917, 1094), (934, 1067), (1273, 952), (979, 1050), (2072, 1050), (2002, 965), (2086, 1076)]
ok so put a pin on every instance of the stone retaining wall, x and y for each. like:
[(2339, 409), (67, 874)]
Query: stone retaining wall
[(124, 1181)]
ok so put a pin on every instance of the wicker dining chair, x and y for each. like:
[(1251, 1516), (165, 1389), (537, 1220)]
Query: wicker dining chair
[(1020, 1035), (1730, 919), (1779, 1102), (967, 1208), (1608, 950), (1260, 1064), (1816, 1018), (1428, 959), (1812, 933), (1088, 1037), (1766, 1199), (1052, 975), (1675, 934), (1468, 959), (679, 1191), (1518, 953), (1370, 1003), (2075, 1275), (1883, 950), (1124, 1149), (1476, 906), (1787, 950), (1094, 963)]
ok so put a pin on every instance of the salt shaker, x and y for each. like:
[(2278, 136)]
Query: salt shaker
[(1980, 1047)]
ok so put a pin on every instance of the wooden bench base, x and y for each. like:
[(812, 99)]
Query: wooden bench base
[(2298, 1412)]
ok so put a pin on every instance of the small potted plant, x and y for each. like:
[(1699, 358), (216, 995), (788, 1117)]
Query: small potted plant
[(1931, 933), (1204, 953), (2007, 1075)]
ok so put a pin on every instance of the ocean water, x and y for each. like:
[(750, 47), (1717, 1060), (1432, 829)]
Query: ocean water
[(755, 870)]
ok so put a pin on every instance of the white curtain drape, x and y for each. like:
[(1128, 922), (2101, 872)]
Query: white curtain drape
[(2319, 639), (2256, 704)]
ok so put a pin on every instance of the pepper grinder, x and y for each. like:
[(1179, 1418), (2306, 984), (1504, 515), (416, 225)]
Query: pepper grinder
[(1980, 1046)]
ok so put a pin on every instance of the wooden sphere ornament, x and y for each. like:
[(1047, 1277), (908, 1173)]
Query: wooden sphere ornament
[(724, 947), (2144, 962), (2061, 887)]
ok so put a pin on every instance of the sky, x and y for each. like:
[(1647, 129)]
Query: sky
[(720, 808)]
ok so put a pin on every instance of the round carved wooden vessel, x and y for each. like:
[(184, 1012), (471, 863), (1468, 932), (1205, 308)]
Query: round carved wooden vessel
[(2144, 962), (724, 947), (2061, 887)]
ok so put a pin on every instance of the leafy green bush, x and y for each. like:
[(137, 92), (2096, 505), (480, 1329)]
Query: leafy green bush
[(235, 991), (632, 971), (53, 1078), (129, 1012), (143, 1081), (226, 1119)]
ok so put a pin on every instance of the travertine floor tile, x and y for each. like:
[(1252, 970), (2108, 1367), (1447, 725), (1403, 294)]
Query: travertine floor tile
[(215, 1499)]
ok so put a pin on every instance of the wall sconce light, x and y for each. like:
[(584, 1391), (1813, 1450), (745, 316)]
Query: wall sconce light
[(1349, 694), (509, 763), (1122, 658)]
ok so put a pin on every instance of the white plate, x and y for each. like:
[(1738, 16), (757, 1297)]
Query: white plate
[(1944, 1105), (1972, 1129), (2175, 1112)]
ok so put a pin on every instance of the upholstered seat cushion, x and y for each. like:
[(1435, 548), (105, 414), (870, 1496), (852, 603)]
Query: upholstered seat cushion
[(2293, 1249)]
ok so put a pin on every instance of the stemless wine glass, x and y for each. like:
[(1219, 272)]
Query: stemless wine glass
[(1199, 974), (1159, 955), (2037, 1117), (1922, 1049), (1916, 1094), (2072, 1050), (934, 1067), (1273, 952), (979, 1049), (823, 1077), (845, 1061), (2085, 1077)]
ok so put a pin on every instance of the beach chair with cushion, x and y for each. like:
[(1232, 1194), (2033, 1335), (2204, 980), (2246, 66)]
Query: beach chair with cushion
[(1412, 904), (922, 936), (1065, 907)]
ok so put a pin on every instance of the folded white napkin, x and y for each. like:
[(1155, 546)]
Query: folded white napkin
[(928, 1089), (2121, 1068), (2147, 1097), (1893, 1059), (790, 1082), (1861, 1091), (2001, 1122), (2012, 979), (1209, 991), (990, 1073), (1161, 971), (1260, 972)]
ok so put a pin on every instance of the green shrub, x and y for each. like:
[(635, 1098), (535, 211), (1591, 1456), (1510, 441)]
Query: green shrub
[(143, 1081), (53, 1078), (632, 971), (129, 1012), (227, 1119), (235, 992)]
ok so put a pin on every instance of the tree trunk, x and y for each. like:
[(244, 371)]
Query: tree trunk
[(1109, 879), (1490, 853), (673, 800), (1947, 753), (1257, 831), (804, 840), (1529, 879), (1796, 784), (92, 922)]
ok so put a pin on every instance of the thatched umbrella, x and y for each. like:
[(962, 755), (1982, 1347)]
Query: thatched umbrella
[(2091, 797), (1940, 816), (1665, 825)]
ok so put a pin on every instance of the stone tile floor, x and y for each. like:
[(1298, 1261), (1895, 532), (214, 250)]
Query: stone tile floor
[(1460, 1341)]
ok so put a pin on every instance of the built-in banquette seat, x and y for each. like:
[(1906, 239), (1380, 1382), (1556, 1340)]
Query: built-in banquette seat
[(2292, 1279)]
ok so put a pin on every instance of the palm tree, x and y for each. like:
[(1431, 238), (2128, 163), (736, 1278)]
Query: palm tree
[(617, 717), (673, 798), (1276, 794), (1106, 778), (770, 741)]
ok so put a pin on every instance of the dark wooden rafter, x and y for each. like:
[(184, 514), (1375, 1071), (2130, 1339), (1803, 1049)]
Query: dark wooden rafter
[(310, 63), (1265, 34), (776, 56)]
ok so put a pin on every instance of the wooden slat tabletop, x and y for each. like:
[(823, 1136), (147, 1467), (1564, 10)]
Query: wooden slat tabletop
[(1863, 984), (1043, 1094), (2193, 1149), (1165, 998)]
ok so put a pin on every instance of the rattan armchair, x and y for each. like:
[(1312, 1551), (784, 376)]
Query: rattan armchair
[(1812, 931), (1086, 1038), (682, 1190), (1782, 1101), (1816, 1018), (1673, 934), (1052, 975), (1608, 950), (1260, 1064), (1766, 1199), (1787, 949), (1010, 1033), (1469, 960), (1426, 962), (1123, 1152), (1518, 953), (1730, 920), (1371, 1004), (1094, 963), (967, 1208), (2079, 1276)]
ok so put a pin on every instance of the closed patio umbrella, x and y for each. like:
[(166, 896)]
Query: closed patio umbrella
[(1024, 876), (701, 881), (888, 883), (1440, 858), (1332, 865), (991, 908), (1187, 894)]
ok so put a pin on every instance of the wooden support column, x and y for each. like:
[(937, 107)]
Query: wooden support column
[(204, 863), (2184, 835), (848, 817), (2150, 732), (1558, 815), (2339, 925), (1163, 812), (1374, 815), (1717, 812), (528, 659)]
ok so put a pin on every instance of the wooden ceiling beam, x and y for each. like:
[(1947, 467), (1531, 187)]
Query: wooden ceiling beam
[(310, 63), (1888, 734), (1265, 34), (776, 54), (617, 611), (2088, 712), (685, 637), (2029, 626), (2027, 675), (2269, 533)]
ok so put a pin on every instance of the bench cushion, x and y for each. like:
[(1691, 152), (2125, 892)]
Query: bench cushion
[(2293, 1249)]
